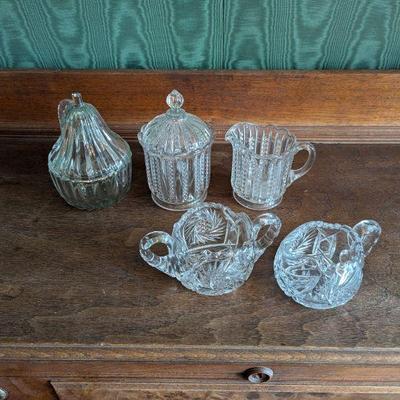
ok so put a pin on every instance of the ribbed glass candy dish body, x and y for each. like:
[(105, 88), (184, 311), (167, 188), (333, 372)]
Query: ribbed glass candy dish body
[(90, 165), (93, 194)]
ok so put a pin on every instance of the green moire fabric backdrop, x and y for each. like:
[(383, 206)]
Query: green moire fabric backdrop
[(202, 34)]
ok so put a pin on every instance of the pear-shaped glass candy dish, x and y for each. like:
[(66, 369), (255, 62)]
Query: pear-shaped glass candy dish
[(90, 165), (320, 265), (177, 150), (212, 250)]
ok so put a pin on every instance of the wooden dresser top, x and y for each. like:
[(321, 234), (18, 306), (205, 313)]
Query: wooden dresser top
[(74, 277)]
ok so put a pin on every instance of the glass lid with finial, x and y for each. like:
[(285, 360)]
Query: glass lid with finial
[(90, 165), (177, 147)]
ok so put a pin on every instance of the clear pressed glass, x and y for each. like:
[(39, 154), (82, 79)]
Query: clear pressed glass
[(90, 165), (177, 149), (212, 250), (262, 162), (320, 265)]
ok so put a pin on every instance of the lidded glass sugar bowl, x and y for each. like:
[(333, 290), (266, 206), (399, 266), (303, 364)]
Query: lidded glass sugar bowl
[(177, 150), (90, 165)]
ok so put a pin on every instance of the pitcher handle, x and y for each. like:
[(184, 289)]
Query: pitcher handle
[(273, 224), (298, 173), (162, 263), (369, 232)]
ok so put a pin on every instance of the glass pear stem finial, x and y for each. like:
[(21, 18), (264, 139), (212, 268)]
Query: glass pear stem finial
[(175, 100), (77, 99)]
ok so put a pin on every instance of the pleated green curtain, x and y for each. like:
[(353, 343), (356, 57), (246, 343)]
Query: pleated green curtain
[(201, 34)]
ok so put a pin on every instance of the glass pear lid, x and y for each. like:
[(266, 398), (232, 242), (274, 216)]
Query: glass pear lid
[(90, 165), (175, 132), (87, 148)]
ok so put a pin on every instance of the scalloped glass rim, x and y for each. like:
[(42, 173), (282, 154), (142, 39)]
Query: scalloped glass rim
[(307, 226), (228, 213), (245, 149)]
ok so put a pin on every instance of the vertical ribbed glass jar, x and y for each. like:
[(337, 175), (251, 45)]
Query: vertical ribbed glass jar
[(177, 150), (90, 165)]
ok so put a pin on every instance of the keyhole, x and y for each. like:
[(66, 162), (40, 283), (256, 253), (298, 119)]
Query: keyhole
[(258, 374)]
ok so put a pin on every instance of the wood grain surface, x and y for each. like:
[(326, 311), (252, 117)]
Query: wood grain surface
[(27, 388), (68, 276), (179, 395), (177, 391), (81, 310), (323, 106)]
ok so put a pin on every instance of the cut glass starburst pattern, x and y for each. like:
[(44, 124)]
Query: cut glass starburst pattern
[(204, 227)]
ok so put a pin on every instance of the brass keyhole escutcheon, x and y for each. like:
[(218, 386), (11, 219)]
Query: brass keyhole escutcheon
[(258, 374)]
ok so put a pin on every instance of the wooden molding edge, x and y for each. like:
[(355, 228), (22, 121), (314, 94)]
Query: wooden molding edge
[(68, 388), (115, 352), (316, 134), (320, 106)]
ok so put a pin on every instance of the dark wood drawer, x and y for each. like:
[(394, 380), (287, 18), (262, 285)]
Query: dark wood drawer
[(123, 389), (26, 388), (124, 380), (111, 390), (197, 370), (283, 377)]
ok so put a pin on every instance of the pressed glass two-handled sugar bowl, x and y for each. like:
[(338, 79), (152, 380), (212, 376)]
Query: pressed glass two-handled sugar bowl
[(177, 150), (320, 265), (262, 163), (90, 165), (212, 250)]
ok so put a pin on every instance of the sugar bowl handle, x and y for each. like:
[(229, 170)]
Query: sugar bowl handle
[(369, 232), (267, 227), (298, 173), (162, 263)]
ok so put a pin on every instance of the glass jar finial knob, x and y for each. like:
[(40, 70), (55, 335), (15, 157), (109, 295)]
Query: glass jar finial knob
[(175, 100)]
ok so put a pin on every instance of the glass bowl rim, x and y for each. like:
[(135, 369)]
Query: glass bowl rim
[(230, 215), (275, 127), (307, 226)]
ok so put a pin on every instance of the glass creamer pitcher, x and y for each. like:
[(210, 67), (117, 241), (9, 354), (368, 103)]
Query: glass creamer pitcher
[(262, 163), (212, 250), (320, 265)]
